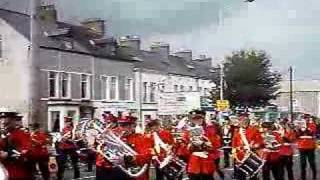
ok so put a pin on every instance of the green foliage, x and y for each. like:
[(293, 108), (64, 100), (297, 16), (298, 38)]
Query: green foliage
[(249, 79)]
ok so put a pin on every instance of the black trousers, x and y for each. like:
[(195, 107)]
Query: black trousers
[(275, 168), (226, 157), (200, 177), (161, 176), (62, 160), (43, 167), (112, 174), (287, 164), (310, 156), (239, 175), (218, 170)]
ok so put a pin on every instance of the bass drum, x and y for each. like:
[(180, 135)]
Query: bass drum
[(3, 173)]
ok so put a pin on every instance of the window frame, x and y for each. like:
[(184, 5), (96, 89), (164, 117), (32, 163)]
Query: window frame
[(68, 90), (88, 86), (56, 83), (175, 88), (152, 92), (128, 86), (109, 85), (1, 47), (144, 92)]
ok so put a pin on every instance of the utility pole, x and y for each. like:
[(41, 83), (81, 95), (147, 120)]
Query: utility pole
[(221, 81), (291, 93), (33, 88)]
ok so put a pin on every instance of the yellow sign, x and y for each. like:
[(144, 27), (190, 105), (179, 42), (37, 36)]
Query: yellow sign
[(223, 105)]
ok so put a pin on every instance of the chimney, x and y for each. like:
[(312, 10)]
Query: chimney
[(185, 54), (95, 26), (162, 48), (129, 41), (202, 56), (48, 14)]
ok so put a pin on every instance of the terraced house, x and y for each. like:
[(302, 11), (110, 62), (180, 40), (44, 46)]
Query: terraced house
[(51, 69)]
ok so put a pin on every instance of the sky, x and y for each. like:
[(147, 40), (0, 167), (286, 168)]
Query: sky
[(289, 30)]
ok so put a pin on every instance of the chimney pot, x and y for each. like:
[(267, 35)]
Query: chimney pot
[(162, 48), (95, 25), (130, 41), (185, 54)]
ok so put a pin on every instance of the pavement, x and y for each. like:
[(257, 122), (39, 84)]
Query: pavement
[(227, 171)]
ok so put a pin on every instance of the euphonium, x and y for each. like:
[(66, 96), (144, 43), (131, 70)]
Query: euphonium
[(112, 147)]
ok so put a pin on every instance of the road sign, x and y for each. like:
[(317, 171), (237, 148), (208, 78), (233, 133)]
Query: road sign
[(223, 105)]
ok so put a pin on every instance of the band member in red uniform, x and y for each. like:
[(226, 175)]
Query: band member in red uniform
[(226, 137), (201, 153), (16, 154), (39, 151), (67, 147), (163, 144), (245, 140), (286, 150), (271, 152), (140, 143), (306, 146)]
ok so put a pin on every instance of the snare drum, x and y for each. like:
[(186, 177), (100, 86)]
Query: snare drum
[(250, 166)]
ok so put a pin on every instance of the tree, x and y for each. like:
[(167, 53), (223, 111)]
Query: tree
[(249, 79)]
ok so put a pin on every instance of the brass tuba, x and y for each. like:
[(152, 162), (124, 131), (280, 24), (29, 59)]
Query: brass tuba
[(112, 147)]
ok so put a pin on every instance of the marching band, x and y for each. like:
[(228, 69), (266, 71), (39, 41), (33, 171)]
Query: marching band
[(194, 148)]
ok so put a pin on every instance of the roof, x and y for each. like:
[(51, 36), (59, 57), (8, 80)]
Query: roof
[(78, 35), (173, 65), (20, 6), (313, 85)]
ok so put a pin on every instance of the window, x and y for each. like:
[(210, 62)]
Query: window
[(1, 48), (53, 84), (55, 121), (144, 91), (85, 86), (64, 85), (182, 88), (190, 88), (113, 95), (206, 91), (129, 89), (162, 87), (152, 92), (175, 88)]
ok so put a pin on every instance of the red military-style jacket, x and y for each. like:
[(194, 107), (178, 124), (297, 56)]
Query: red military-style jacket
[(306, 138), (20, 168), (273, 155), (140, 143), (253, 137), (40, 141), (166, 138), (288, 138), (66, 142), (196, 164)]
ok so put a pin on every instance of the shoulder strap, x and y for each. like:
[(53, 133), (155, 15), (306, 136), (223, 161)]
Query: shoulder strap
[(244, 138)]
